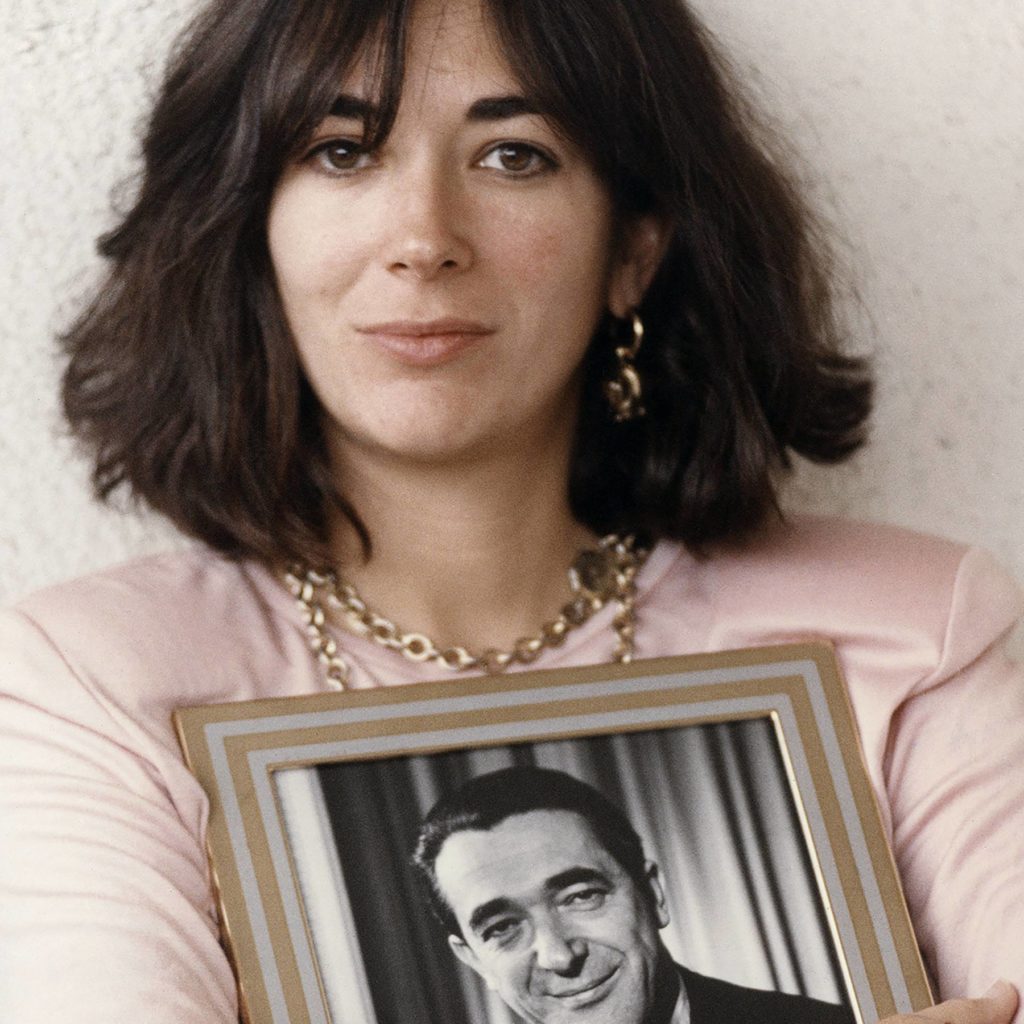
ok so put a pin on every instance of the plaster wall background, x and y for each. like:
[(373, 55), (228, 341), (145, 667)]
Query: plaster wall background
[(906, 116)]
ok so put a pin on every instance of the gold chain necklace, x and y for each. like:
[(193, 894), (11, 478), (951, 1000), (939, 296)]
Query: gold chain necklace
[(596, 576)]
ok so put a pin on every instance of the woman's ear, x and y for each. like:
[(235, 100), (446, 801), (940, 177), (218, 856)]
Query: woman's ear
[(641, 244)]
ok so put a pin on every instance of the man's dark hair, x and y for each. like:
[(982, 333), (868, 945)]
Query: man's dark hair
[(182, 378), (488, 800)]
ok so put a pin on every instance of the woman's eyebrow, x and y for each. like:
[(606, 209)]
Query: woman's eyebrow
[(353, 107), (489, 108), (498, 108)]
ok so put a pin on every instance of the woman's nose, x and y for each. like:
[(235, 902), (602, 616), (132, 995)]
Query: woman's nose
[(427, 234), (556, 952)]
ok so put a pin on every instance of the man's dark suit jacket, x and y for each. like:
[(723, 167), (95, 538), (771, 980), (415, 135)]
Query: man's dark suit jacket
[(720, 1002)]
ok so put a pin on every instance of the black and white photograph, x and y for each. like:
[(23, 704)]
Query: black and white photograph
[(687, 839), (605, 879)]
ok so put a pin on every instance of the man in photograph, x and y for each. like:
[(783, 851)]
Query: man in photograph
[(543, 889)]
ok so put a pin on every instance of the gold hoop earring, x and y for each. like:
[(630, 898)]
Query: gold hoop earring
[(625, 391)]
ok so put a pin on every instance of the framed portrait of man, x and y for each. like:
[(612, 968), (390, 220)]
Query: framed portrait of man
[(681, 841)]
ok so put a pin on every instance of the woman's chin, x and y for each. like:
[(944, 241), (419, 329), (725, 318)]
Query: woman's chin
[(455, 429), (430, 442)]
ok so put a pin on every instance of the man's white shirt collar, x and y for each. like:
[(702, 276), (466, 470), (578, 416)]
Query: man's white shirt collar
[(681, 1013)]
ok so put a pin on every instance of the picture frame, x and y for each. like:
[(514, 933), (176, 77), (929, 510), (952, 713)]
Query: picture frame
[(741, 772)]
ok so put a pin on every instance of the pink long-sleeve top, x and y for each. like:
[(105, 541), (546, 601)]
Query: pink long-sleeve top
[(106, 911)]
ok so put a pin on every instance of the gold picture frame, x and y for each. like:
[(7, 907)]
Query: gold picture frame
[(750, 759)]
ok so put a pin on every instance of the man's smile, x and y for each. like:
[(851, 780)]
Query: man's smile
[(588, 992)]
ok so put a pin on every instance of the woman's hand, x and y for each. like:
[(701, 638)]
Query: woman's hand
[(996, 1006)]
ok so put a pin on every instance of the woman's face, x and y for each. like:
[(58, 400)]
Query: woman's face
[(442, 290)]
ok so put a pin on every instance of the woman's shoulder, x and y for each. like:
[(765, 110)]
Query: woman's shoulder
[(877, 592), (173, 594), (144, 637), (806, 546), (870, 570)]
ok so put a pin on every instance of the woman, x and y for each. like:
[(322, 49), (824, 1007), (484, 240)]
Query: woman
[(435, 296)]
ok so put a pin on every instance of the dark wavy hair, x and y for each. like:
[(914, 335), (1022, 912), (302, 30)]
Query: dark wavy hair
[(487, 800), (182, 379)]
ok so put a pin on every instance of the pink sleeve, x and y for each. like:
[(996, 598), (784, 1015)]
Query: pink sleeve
[(105, 911), (955, 782)]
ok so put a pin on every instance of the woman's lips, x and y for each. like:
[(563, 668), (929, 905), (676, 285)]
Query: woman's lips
[(425, 343)]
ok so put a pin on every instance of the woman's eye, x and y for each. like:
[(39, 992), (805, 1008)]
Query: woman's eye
[(517, 159), (339, 156)]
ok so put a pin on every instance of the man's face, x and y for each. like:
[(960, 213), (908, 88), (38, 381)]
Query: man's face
[(551, 920)]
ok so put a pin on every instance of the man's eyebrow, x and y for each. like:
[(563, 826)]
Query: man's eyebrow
[(353, 107), (576, 876), (564, 879), (491, 908), (499, 108)]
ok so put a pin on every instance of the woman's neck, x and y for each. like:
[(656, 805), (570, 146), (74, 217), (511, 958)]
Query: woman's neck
[(474, 554)]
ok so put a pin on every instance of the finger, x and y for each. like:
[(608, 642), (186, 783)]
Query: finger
[(996, 1006)]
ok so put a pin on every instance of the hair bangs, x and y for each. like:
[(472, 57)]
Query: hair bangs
[(597, 95), (310, 52)]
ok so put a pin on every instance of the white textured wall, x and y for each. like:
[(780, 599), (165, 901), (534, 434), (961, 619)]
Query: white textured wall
[(910, 125)]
